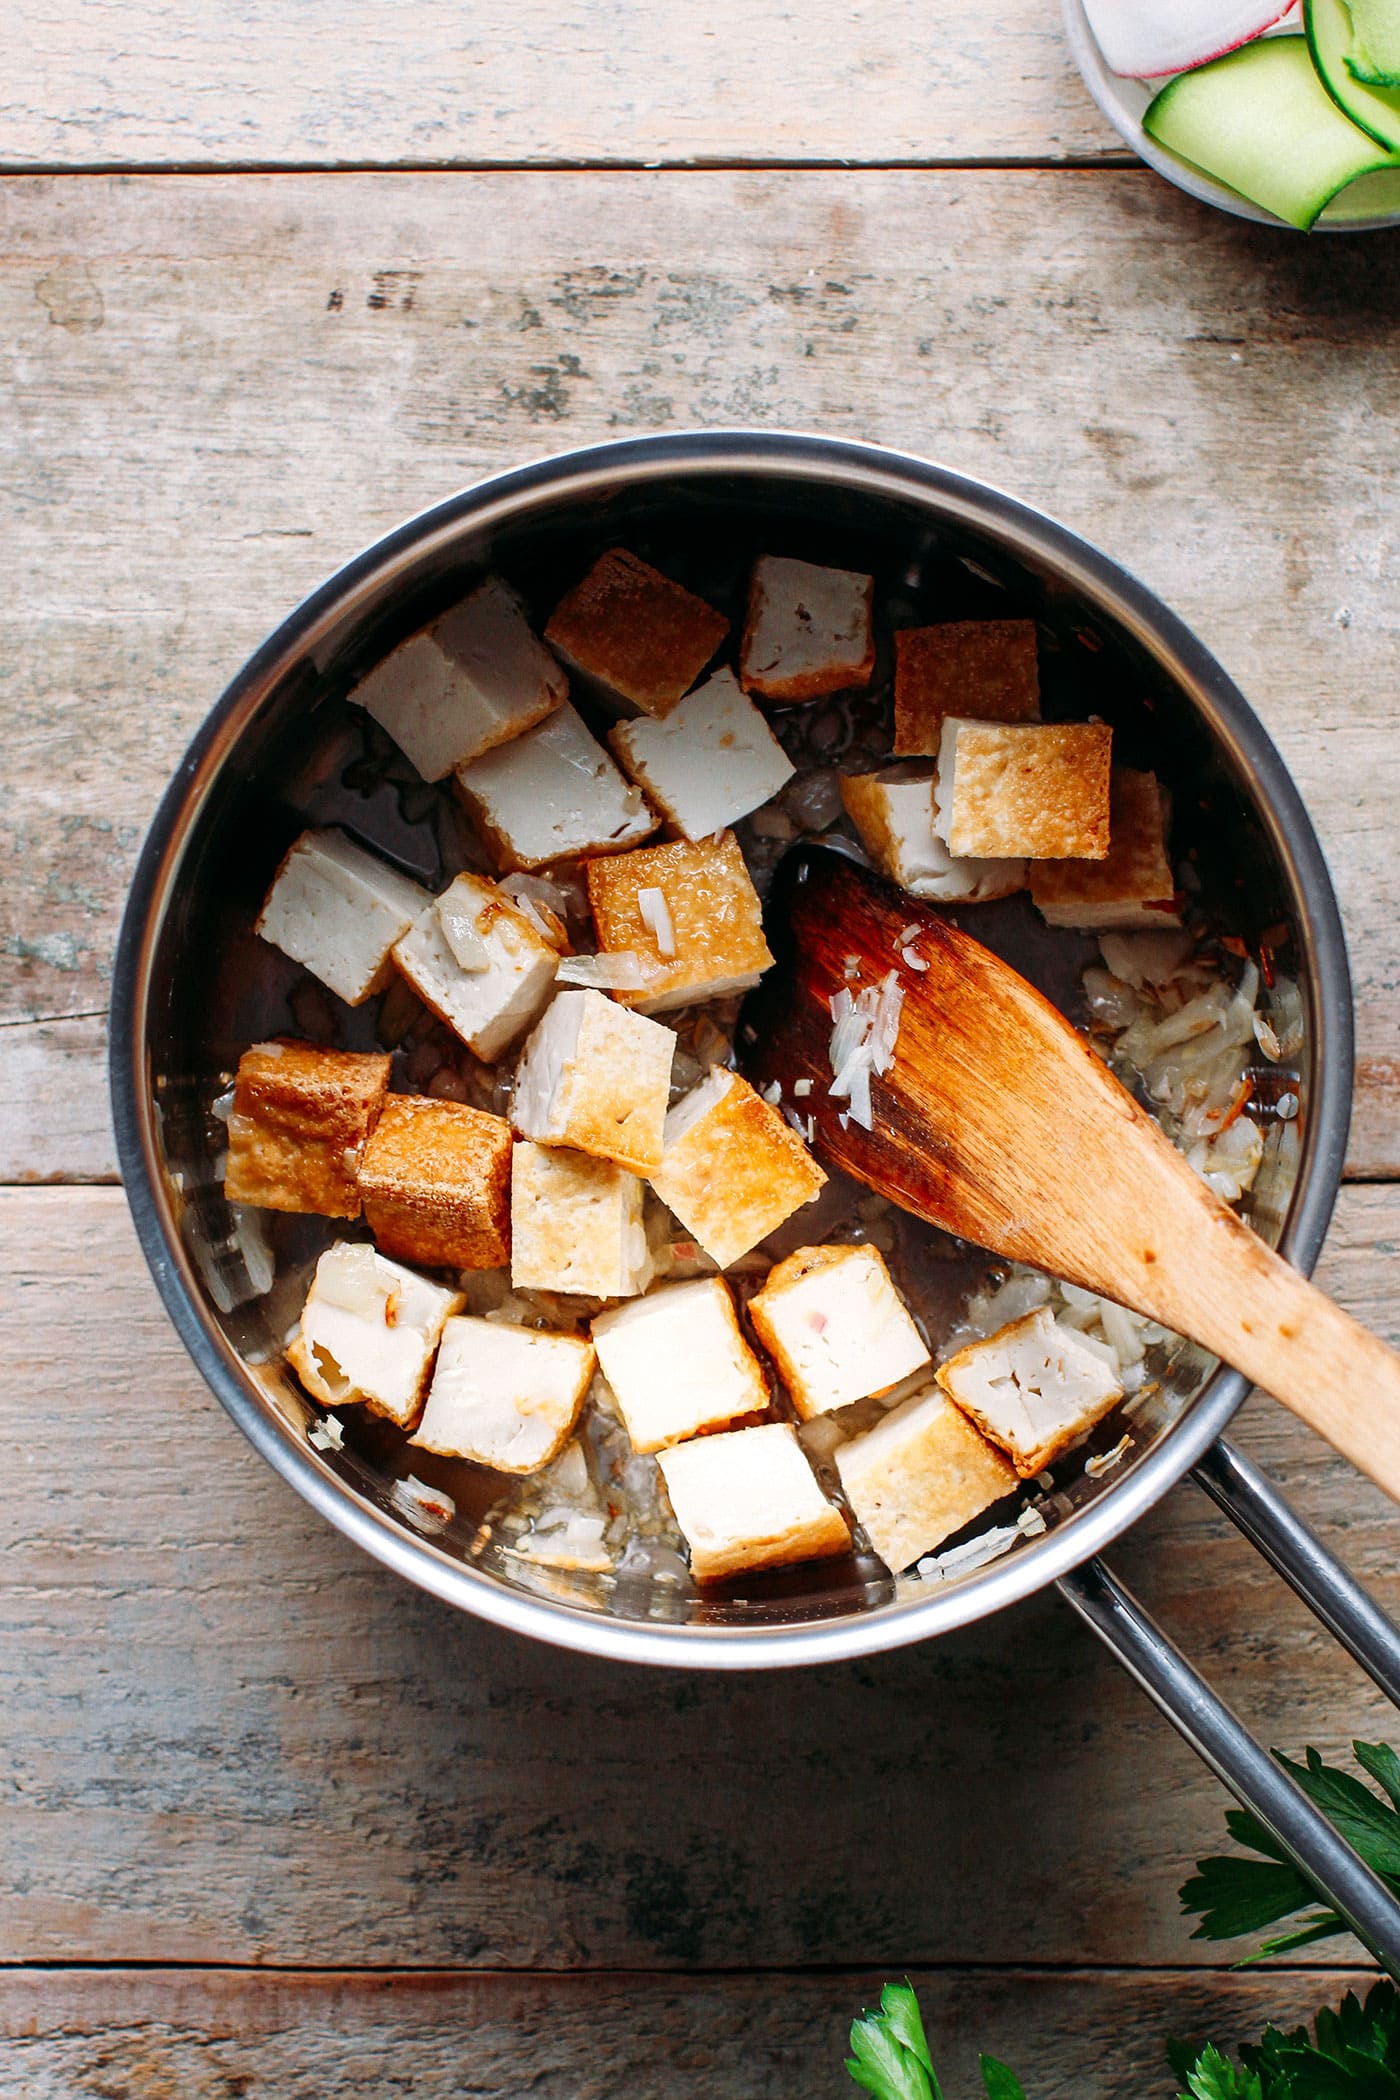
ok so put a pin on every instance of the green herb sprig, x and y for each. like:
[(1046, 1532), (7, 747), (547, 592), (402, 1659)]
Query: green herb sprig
[(1234, 1896), (890, 2054)]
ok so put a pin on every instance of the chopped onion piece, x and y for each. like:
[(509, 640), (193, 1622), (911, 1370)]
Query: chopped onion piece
[(656, 917), (802, 1088), (459, 932), (860, 1097), (327, 1434), (614, 970), (427, 1507), (1107, 1460)]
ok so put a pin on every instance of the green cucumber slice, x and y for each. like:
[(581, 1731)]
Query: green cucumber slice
[(1374, 56), (1261, 122), (1376, 110)]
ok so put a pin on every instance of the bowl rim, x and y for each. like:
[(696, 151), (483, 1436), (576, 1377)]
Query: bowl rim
[(572, 475), (1101, 82)]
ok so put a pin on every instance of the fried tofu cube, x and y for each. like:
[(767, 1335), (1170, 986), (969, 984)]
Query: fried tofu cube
[(732, 1170), (576, 1224), (338, 911), (1033, 1387), (750, 1500), (299, 1123), (836, 1327), (550, 794), (473, 679), (598, 1078), (368, 1332), (808, 631), (479, 964), (505, 1397), (711, 761), (1134, 886), (637, 639), (893, 812), (918, 1476), (1038, 790), (711, 914), (677, 1362), (435, 1180), (985, 670)]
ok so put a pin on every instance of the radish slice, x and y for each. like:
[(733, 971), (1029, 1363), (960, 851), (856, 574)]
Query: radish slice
[(1146, 38), (1231, 117)]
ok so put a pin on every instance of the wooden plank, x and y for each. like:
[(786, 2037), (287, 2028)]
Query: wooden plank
[(229, 1738), (209, 2034), (53, 1077), (520, 81), (215, 390)]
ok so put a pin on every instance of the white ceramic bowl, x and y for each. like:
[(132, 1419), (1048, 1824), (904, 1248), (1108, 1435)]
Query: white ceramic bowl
[(1372, 202)]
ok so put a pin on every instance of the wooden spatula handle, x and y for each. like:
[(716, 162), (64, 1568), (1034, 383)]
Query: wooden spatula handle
[(1282, 1332)]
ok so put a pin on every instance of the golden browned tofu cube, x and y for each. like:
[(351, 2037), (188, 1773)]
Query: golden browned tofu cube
[(920, 1475), (984, 669), (637, 638), (732, 1170), (1037, 791), (435, 1180), (703, 939), (1134, 886), (300, 1120)]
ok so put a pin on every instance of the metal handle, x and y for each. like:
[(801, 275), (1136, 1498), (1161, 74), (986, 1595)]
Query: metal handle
[(1296, 1553), (1222, 1740)]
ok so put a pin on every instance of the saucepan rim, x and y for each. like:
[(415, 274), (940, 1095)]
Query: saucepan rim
[(593, 471)]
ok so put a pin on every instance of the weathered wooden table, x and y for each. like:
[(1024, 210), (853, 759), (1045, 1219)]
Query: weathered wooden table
[(272, 278)]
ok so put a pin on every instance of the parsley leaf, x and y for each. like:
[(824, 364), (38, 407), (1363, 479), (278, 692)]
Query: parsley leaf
[(999, 2081), (889, 2051), (1234, 1896)]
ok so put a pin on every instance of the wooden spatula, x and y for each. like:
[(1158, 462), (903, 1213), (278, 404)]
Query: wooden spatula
[(997, 1122)]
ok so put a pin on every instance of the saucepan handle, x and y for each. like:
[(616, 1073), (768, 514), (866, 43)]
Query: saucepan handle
[(1221, 1739), (1296, 1553)]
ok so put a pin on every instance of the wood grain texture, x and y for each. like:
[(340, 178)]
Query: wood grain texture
[(229, 1738), (212, 391), (221, 2035), (525, 81)]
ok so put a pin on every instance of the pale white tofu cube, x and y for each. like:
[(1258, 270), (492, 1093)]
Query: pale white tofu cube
[(576, 1224), (473, 679), (808, 631), (893, 812), (338, 911), (677, 1362), (511, 971), (733, 1169), (833, 1322), (749, 1500), (711, 760), (918, 1476), (552, 793), (368, 1332), (596, 1077), (1034, 1387), (505, 1397)]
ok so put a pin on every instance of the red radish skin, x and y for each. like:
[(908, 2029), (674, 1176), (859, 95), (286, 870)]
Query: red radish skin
[(1147, 39)]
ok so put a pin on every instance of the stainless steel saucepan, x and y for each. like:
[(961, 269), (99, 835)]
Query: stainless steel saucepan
[(194, 987)]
